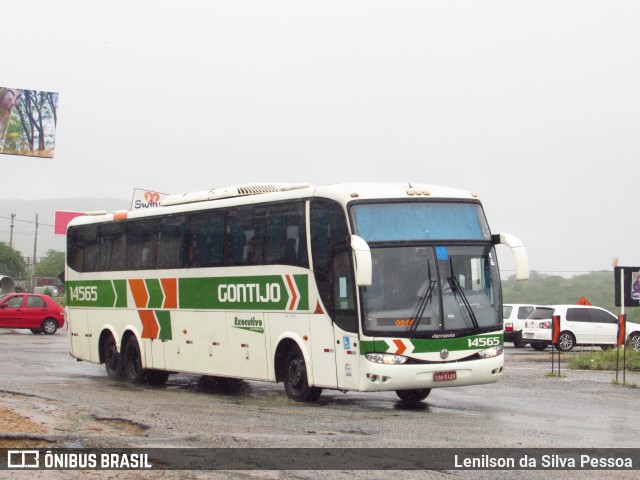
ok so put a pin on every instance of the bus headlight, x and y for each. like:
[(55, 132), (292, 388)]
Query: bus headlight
[(491, 352), (385, 358)]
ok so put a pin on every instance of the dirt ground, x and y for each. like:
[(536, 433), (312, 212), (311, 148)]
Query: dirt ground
[(12, 422)]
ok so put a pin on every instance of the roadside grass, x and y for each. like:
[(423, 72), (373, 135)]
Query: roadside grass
[(605, 360)]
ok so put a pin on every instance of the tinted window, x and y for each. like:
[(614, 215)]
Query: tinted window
[(141, 236), (171, 245), (14, 302), (206, 243), (249, 235), (578, 315), (523, 312), (285, 239), (328, 231), (600, 316), (113, 246), (541, 314), (35, 302), (506, 311), (343, 307)]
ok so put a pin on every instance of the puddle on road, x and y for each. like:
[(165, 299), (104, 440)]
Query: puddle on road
[(129, 426)]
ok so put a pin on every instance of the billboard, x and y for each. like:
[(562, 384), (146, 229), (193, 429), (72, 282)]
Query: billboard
[(28, 121), (62, 219), (143, 199), (627, 286)]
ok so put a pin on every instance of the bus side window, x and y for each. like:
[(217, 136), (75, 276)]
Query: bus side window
[(75, 246), (91, 248), (285, 240), (171, 244), (328, 230), (142, 244), (343, 292), (113, 247)]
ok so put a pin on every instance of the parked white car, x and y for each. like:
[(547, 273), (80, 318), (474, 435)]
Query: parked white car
[(53, 291), (514, 316), (579, 325)]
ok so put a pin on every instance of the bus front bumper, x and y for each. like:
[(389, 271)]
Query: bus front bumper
[(378, 377)]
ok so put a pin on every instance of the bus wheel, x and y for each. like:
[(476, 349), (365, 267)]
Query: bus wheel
[(413, 396), (133, 370), (113, 361), (295, 379), (157, 378)]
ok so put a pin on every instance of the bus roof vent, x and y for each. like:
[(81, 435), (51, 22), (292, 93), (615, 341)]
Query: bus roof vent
[(228, 192), (256, 189)]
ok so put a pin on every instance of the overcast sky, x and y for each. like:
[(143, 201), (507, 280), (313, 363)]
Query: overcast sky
[(534, 105)]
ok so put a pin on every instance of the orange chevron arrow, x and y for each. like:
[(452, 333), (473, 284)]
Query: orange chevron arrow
[(400, 346), (150, 326), (139, 292), (294, 297)]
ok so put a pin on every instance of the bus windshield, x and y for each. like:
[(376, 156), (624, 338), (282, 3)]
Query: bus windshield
[(426, 290), (415, 221)]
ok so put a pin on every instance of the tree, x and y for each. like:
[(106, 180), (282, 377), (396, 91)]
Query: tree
[(11, 262), (51, 265)]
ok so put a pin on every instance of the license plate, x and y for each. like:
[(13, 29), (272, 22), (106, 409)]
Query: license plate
[(442, 376), (528, 335)]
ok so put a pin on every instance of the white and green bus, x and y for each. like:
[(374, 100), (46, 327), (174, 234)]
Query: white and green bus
[(353, 287)]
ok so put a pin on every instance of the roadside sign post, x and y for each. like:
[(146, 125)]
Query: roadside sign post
[(555, 335), (626, 295), (622, 333)]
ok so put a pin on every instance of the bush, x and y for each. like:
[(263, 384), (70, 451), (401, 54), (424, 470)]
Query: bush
[(605, 360)]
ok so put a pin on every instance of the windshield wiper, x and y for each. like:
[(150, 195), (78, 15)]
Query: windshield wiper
[(425, 299), (457, 289)]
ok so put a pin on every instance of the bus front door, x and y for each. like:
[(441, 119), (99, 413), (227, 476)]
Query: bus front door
[(345, 320)]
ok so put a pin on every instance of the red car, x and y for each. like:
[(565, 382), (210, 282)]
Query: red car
[(39, 313)]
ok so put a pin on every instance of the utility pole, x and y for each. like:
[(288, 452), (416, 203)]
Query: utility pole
[(35, 244), (13, 216)]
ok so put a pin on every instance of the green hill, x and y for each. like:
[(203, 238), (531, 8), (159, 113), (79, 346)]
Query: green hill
[(596, 287)]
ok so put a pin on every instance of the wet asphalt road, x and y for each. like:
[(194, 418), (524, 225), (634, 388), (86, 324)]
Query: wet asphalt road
[(82, 407)]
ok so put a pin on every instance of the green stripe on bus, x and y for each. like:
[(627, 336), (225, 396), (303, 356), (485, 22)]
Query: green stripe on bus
[(120, 288), (164, 321), (156, 296), (266, 292), (432, 345)]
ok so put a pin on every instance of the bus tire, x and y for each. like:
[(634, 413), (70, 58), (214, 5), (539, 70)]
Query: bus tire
[(113, 360), (133, 370), (412, 397), (295, 380)]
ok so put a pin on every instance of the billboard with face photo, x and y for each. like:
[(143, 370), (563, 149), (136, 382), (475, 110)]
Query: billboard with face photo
[(627, 286), (28, 121)]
